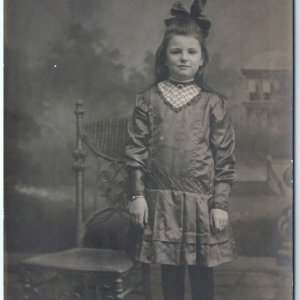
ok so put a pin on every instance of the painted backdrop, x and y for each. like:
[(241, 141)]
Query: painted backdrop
[(102, 52)]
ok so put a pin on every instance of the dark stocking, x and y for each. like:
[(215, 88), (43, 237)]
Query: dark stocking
[(172, 282), (202, 283)]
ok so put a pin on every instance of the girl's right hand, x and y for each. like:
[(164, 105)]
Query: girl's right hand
[(138, 210)]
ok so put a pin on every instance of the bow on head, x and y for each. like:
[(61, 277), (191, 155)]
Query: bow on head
[(179, 11), (197, 8)]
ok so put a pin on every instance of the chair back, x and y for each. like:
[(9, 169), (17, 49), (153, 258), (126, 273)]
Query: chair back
[(105, 140)]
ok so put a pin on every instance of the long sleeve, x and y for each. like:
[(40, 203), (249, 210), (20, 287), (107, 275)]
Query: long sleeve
[(137, 147), (222, 142)]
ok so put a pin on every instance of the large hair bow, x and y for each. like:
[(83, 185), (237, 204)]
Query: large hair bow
[(196, 13)]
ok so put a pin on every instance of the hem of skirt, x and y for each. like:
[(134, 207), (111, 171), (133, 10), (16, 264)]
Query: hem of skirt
[(209, 265), (210, 256)]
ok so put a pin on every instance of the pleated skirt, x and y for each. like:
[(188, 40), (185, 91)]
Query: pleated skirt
[(179, 231)]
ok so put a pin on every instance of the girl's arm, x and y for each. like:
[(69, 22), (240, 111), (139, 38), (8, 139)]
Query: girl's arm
[(136, 157), (222, 142), (137, 147)]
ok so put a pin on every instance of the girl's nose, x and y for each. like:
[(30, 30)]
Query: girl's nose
[(183, 56)]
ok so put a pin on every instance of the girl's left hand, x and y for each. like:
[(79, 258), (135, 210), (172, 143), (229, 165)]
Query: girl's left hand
[(218, 219)]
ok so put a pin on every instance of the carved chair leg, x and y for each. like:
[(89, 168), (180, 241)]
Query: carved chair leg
[(146, 281), (27, 285), (119, 288)]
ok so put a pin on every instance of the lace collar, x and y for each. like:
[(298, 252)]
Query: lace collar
[(178, 95)]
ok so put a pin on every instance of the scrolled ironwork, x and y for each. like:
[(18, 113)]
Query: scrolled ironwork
[(111, 183), (285, 224), (288, 176)]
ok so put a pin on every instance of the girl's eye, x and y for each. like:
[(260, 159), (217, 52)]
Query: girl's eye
[(192, 51), (175, 51)]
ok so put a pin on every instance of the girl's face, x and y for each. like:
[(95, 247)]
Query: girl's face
[(184, 57)]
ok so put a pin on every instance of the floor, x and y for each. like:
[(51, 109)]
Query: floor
[(247, 278)]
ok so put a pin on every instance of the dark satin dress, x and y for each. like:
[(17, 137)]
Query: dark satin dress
[(182, 160)]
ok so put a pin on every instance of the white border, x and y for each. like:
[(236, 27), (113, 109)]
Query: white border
[(297, 145), (1, 147)]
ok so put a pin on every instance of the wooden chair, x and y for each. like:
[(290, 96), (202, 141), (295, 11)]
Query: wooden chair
[(101, 266)]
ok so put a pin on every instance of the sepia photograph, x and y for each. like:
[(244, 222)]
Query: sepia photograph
[(148, 150)]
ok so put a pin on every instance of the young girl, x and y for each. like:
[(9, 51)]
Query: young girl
[(181, 163)]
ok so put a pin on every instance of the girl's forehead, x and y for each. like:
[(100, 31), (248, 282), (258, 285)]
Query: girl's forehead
[(183, 40)]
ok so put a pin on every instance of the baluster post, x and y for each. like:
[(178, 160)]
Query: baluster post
[(79, 168)]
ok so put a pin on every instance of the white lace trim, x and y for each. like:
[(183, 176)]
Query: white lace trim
[(178, 95)]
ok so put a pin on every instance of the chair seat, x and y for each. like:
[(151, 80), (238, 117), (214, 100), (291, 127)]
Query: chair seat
[(83, 260)]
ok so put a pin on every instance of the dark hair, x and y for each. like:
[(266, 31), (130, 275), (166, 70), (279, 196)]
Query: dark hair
[(185, 27)]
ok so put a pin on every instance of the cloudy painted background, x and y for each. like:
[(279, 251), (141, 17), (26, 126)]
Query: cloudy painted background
[(59, 51)]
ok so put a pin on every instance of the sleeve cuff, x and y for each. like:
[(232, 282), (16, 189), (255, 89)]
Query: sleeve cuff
[(221, 196), (219, 206), (136, 182)]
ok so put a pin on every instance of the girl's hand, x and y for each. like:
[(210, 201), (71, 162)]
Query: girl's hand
[(218, 219), (138, 210)]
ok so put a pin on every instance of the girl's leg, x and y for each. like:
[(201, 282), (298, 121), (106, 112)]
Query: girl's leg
[(202, 283), (172, 282)]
